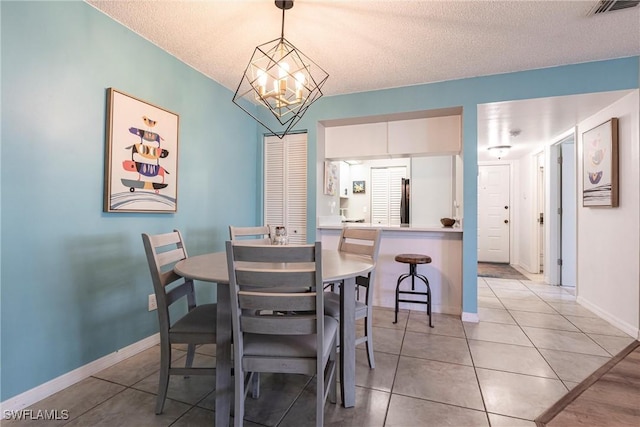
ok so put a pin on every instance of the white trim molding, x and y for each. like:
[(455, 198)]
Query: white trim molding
[(45, 390), (470, 317), (625, 327)]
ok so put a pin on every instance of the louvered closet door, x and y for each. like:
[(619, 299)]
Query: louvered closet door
[(380, 196), (285, 180), (386, 192), (273, 181), (395, 193)]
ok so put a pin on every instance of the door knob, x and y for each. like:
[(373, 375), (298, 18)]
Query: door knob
[(506, 207), (506, 221)]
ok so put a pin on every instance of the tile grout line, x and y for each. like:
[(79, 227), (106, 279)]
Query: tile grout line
[(475, 372), (395, 372)]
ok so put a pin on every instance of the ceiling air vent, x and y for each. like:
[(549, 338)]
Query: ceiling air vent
[(610, 5)]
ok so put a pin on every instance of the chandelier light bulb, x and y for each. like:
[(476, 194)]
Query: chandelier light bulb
[(262, 77), (299, 83), (283, 70), (262, 81)]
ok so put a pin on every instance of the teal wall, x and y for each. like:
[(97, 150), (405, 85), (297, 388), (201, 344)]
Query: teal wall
[(468, 93), (74, 281)]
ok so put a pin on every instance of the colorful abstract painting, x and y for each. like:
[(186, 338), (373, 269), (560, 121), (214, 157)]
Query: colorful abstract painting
[(141, 162)]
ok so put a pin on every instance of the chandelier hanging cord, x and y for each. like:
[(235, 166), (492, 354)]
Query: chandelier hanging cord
[(284, 5)]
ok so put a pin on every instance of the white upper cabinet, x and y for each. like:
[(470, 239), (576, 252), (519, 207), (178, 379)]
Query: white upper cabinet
[(353, 141), (434, 135), (425, 136)]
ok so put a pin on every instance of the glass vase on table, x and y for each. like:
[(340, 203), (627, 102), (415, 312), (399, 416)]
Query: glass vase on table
[(281, 237)]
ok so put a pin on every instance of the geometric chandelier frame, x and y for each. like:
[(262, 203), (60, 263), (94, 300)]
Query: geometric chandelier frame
[(282, 79)]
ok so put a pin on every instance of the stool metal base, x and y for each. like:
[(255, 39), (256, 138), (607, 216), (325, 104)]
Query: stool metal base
[(413, 273)]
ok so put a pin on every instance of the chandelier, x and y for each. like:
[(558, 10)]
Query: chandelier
[(281, 78)]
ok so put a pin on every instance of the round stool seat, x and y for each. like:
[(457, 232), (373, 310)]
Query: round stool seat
[(413, 258)]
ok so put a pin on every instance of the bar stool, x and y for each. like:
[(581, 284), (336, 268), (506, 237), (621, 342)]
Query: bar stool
[(413, 260)]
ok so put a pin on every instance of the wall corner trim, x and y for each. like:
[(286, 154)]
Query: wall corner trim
[(55, 385)]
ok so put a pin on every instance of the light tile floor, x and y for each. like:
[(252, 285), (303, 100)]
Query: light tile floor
[(532, 345)]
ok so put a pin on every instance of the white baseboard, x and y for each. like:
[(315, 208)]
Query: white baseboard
[(45, 390), (525, 267), (633, 330), (470, 317)]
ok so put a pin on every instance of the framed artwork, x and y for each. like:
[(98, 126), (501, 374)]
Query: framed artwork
[(330, 178), (141, 156), (358, 187), (600, 165)]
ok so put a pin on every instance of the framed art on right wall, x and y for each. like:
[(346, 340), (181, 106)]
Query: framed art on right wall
[(600, 165)]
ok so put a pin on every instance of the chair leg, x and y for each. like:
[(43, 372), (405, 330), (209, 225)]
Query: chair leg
[(426, 282), (163, 382), (333, 384), (191, 352), (319, 401), (368, 332), (400, 279), (255, 385), (238, 407)]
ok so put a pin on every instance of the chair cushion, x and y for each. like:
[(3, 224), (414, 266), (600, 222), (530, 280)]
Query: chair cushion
[(200, 320), (332, 306), (289, 345)]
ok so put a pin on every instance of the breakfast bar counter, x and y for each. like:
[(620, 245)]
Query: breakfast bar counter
[(442, 244)]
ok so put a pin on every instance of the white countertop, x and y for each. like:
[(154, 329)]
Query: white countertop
[(418, 227)]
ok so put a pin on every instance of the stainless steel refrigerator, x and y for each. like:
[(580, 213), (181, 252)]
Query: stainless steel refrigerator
[(405, 201)]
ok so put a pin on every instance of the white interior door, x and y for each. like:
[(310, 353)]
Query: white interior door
[(568, 215), (541, 211), (493, 213)]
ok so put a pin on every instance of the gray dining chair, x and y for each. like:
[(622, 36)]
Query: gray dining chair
[(365, 242), (197, 326), (258, 234), (278, 326)]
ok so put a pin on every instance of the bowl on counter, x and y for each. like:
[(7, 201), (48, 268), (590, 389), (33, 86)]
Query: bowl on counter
[(447, 222)]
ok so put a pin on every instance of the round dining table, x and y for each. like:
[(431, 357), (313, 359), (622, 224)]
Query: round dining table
[(336, 267)]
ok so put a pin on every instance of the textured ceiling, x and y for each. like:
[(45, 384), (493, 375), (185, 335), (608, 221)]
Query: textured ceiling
[(368, 45)]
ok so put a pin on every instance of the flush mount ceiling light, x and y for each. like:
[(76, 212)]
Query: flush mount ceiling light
[(499, 150), (281, 78)]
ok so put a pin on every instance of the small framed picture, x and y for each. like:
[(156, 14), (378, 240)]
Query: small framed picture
[(358, 187), (330, 178)]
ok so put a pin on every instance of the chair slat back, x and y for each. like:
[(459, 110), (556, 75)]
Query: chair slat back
[(269, 283), (163, 251), (260, 234), (360, 241)]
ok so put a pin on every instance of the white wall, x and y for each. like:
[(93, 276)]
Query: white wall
[(432, 190), (609, 238), (525, 194)]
